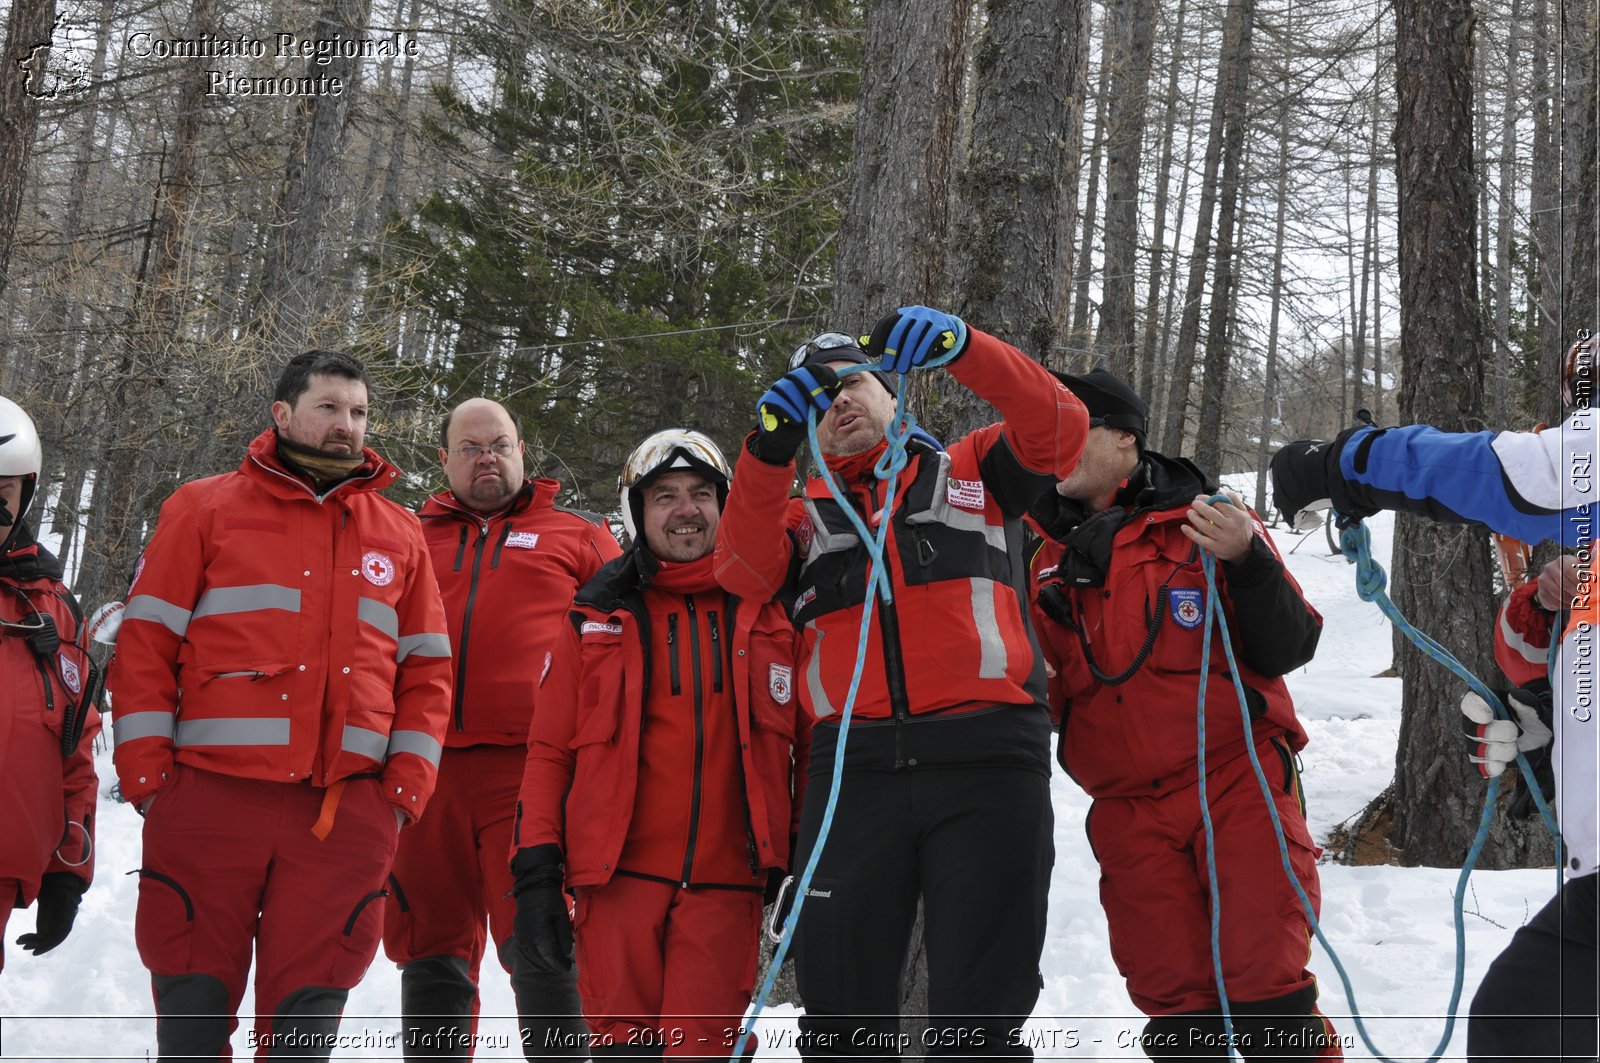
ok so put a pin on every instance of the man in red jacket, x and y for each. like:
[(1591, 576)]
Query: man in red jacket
[(662, 773), (946, 790), (508, 561), (1121, 615), (47, 778), (281, 691)]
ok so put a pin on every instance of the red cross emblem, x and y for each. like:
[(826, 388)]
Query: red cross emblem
[(378, 569)]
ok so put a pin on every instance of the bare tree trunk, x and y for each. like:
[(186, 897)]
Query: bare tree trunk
[(1545, 205), (1081, 330), (1442, 578), (124, 493), (1234, 32), (1130, 36), (295, 275), (1581, 141), (1235, 36), (1147, 362), (1213, 386), (27, 50), (1067, 267), (890, 250), (1269, 380), (1006, 281), (1504, 209)]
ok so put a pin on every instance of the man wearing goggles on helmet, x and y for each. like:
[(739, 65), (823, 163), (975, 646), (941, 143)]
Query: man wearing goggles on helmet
[(662, 771), (508, 560), (47, 777), (946, 783)]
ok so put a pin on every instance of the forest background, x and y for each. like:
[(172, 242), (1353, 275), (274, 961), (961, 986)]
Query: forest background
[(620, 215)]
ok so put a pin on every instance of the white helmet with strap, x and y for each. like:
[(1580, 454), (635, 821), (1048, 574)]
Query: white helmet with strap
[(668, 449), (20, 453)]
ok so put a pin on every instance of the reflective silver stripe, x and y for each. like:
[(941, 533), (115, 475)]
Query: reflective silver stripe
[(369, 744), (427, 644), (1521, 646), (940, 511), (250, 732), (992, 647), (219, 601), (418, 742), (134, 725), (174, 618), (824, 541), (383, 617), (820, 705)]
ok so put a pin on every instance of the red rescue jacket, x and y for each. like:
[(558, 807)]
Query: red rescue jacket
[(1522, 636), (272, 633), (48, 794), (507, 580), (1139, 737), (957, 635), (581, 789)]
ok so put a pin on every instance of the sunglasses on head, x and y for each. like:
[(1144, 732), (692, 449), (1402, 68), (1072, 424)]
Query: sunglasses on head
[(823, 341)]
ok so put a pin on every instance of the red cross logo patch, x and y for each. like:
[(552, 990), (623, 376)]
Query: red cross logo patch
[(378, 569)]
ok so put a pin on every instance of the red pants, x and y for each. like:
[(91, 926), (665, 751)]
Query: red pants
[(453, 867), (230, 864), (666, 968), (1155, 890)]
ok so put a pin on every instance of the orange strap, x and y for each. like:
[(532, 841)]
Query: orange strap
[(330, 807)]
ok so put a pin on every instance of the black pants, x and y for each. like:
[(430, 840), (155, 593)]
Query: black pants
[(977, 844), (1539, 1000)]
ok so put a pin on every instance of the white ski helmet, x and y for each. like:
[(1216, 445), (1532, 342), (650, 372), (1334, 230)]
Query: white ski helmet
[(20, 453), (668, 449)]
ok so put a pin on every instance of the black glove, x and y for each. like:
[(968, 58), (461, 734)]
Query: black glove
[(543, 926), (1306, 480), (59, 894), (46, 641), (782, 410)]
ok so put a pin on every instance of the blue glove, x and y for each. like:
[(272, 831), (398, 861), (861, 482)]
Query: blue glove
[(915, 335), (781, 411)]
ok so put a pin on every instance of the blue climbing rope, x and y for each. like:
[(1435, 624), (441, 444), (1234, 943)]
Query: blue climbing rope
[(888, 469), (1371, 581)]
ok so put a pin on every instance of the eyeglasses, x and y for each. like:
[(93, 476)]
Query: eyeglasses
[(1097, 422), (824, 341), (499, 450)]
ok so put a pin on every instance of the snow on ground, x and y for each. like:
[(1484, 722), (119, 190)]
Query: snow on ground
[(90, 999)]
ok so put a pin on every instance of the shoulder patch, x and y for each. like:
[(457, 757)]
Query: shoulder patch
[(599, 627), (968, 494)]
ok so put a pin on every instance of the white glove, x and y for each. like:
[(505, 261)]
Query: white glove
[(1499, 741)]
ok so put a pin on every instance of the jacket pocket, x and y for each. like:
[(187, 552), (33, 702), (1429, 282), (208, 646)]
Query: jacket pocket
[(599, 694), (163, 927), (773, 675)]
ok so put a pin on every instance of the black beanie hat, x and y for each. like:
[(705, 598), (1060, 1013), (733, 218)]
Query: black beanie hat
[(1109, 400), (853, 353)]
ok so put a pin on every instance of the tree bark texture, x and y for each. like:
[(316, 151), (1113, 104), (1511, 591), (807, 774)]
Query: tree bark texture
[(1580, 156), (1442, 573), (27, 50), (895, 243), (1006, 280)]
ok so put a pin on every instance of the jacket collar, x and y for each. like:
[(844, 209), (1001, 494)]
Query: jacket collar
[(534, 494), (27, 560), (262, 464)]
